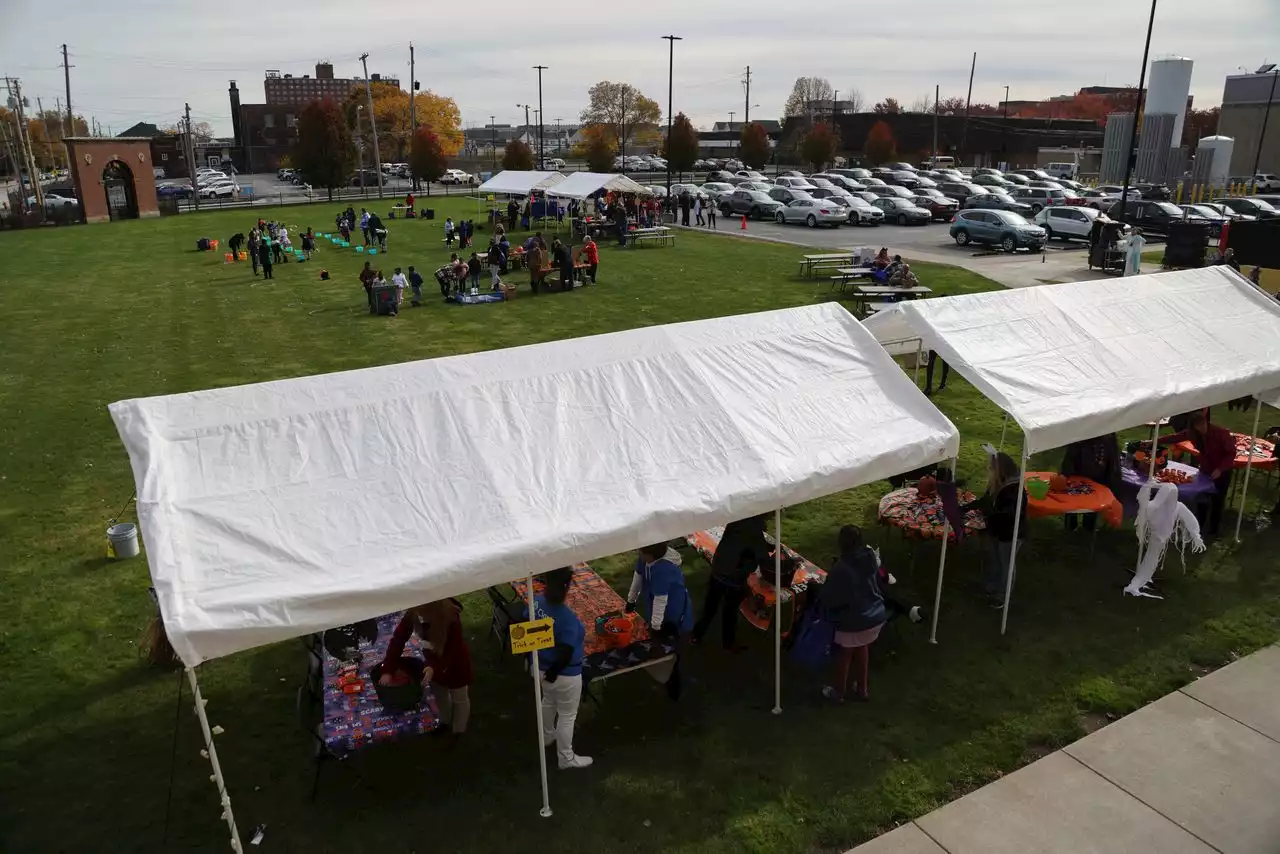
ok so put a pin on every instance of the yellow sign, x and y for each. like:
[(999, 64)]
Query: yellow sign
[(531, 636)]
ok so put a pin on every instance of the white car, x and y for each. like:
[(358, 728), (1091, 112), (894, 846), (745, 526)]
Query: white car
[(658, 190), (1265, 182), (863, 212), (715, 189), (692, 189), (456, 176), (1065, 222), (221, 190), (794, 183)]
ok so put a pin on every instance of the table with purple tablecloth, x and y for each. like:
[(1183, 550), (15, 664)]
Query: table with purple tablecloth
[(357, 720), (1191, 494)]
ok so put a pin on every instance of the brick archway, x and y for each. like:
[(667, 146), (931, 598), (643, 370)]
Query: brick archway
[(132, 188)]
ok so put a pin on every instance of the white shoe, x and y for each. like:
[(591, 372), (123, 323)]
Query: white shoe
[(575, 761), (914, 614)]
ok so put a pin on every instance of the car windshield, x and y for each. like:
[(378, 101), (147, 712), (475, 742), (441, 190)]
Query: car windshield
[(1201, 210), (758, 196), (1167, 208), (1263, 205)]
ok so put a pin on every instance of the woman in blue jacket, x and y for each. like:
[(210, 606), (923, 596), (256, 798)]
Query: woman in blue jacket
[(660, 581), (852, 602)]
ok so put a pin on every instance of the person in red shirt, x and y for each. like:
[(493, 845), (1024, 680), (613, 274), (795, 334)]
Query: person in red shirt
[(408, 203), (439, 626), (1217, 449), (591, 254)]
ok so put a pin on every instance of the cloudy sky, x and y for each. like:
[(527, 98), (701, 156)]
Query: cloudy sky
[(142, 59)]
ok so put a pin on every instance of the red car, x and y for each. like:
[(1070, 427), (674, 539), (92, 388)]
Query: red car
[(940, 207)]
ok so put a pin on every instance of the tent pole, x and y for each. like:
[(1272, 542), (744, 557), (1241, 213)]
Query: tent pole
[(1151, 476), (777, 612), (545, 812), (919, 353), (1004, 425), (223, 797), (942, 566), (1013, 548), (1248, 465)]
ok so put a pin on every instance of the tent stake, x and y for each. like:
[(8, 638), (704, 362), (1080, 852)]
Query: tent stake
[(1248, 465), (545, 812), (777, 612), (1013, 547), (223, 798), (942, 564)]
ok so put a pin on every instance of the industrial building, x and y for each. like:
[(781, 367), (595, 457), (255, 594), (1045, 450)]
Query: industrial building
[(1251, 115), (1160, 156)]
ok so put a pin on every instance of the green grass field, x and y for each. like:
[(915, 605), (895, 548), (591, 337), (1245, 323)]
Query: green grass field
[(96, 314)]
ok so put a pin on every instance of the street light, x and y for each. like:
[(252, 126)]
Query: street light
[(1130, 156), (1262, 132), (493, 139), (671, 62), (540, 69), (526, 117), (1004, 131)]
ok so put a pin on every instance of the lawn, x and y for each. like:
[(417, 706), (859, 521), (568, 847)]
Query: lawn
[(88, 757)]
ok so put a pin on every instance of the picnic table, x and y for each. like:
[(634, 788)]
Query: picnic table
[(356, 719), (1262, 451), (591, 597), (868, 299), (922, 518), (659, 234), (759, 605), (809, 264)]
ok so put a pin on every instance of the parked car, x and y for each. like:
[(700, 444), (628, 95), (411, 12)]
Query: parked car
[(1046, 185), (819, 181), (1216, 219), (173, 190), (1015, 178), (751, 203), (997, 201), (702, 163), (1039, 197), (1009, 231), (367, 178), (871, 182), (719, 176), (941, 207), (961, 190), (762, 186), (892, 192), (902, 211), (1272, 199), (926, 181), (859, 175), (1152, 217), (1265, 182), (1062, 170), (787, 195), (221, 190), (901, 167), (792, 181), (456, 176), (985, 180), (716, 189), (841, 181), (55, 201), (693, 190), (1032, 174), (1252, 207), (1156, 192), (1070, 184), (749, 175), (733, 165), (1223, 210), (866, 195), (862, 212), (813, 213), (907, 180), (284, 174), (1066, 222), (791, 173)]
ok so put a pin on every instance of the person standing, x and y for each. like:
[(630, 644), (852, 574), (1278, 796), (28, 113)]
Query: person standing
[(513, 213), (415, 282), (255, 243), (697, 211), (560, 668), (399, 281), (563, 259), (852, 602), (448, 231), (364, 225), (495, 262), (535, 259), (667, 606), (1217, 449), (591, 254), (308, 244), (1133, 253), (684, 208), (439, 626), (366, 281), (711, 214), (1097, 459), (934, 358), (737, 556), (1000, 507), (473, 269), (265, 250)]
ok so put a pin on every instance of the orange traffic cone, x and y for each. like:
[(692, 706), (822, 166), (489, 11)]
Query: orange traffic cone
[(744, 222)]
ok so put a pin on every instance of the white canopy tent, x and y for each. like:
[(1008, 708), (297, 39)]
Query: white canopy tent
[(289, 507), (1081, 359), (516, 183), (1269, 398), (580, 185)]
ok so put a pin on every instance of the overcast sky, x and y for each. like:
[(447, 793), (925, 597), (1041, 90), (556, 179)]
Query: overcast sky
[(140, 60)]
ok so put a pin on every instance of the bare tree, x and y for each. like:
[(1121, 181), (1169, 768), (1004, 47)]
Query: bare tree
[(923, 104), (805, 92), (853, 99)]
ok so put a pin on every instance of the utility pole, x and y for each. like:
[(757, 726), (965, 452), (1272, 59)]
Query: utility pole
[(413, 113), (373, 123), (62, 121), (746, 114), (1130, 155), (48, 137), (1262, 132), (24, 140), (835, 99), (493, 139), (191, 158), (360, 147), (964, 130), (1004, 131), (66, 76), (671, 66), (541, 152), (8, 147), (936, 91)]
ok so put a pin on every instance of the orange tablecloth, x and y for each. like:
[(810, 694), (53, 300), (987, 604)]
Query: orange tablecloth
[(757, 607), (1083, 496), (1261, 449)]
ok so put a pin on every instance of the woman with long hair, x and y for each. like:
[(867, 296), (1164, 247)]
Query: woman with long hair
[(852, 602), (1000, 507), (439, 626)]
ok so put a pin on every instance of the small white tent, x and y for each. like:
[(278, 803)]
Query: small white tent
[(1081, 359), (580, 185), (290, 507), (516, 183)]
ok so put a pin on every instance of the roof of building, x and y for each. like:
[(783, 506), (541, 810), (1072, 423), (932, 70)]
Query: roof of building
[(141, 129)]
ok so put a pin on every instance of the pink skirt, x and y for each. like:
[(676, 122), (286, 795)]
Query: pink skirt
[(853, 640)]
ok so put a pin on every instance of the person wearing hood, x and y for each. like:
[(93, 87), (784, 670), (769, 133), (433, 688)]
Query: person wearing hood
[(736, 557), (852, 601)]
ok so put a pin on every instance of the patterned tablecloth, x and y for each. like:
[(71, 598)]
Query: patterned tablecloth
[(355, 721), (1082, 496), (757, 607), (1262, 451), (923, 519), (591, 597)]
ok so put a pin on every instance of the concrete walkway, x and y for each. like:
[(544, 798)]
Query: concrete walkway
[(1196, 771)]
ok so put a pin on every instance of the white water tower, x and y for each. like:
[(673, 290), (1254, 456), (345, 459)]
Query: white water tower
[(1217, 150), (1168, 90)]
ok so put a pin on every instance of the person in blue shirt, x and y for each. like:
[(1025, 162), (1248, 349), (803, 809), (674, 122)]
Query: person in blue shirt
[(561, 668), (659, 581)]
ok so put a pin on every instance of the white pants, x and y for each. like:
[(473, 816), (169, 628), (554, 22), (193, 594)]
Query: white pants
[(560, 712), (455, 707), (493, 271)]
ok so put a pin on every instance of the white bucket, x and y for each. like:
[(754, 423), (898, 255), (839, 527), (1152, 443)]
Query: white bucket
[(122, 540)]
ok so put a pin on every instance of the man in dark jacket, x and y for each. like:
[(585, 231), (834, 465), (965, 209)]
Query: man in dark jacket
[(741, 547)]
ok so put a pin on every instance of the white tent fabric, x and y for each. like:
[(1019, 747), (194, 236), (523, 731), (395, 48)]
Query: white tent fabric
[(894, 331), (1083, 359), (1271, 398), (580, 185), (289, 507), (516, 183)]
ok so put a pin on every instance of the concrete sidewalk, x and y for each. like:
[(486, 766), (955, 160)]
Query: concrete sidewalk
[(1196, 771)]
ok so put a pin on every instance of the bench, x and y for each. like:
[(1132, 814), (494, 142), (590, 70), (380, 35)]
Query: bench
[(660, 239)]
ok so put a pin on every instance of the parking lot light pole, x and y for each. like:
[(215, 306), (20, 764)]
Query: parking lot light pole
[(1130, 155), (541, 165), (493, 140), (671, 64), (1262, 132)]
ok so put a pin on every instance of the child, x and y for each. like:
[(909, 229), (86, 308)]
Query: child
[(711, 215), (399, 281), (415, 282), (448, 232), (470, 229), (495, 262), (473, 267), (561, 668), (308, 244), (666, 601)]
